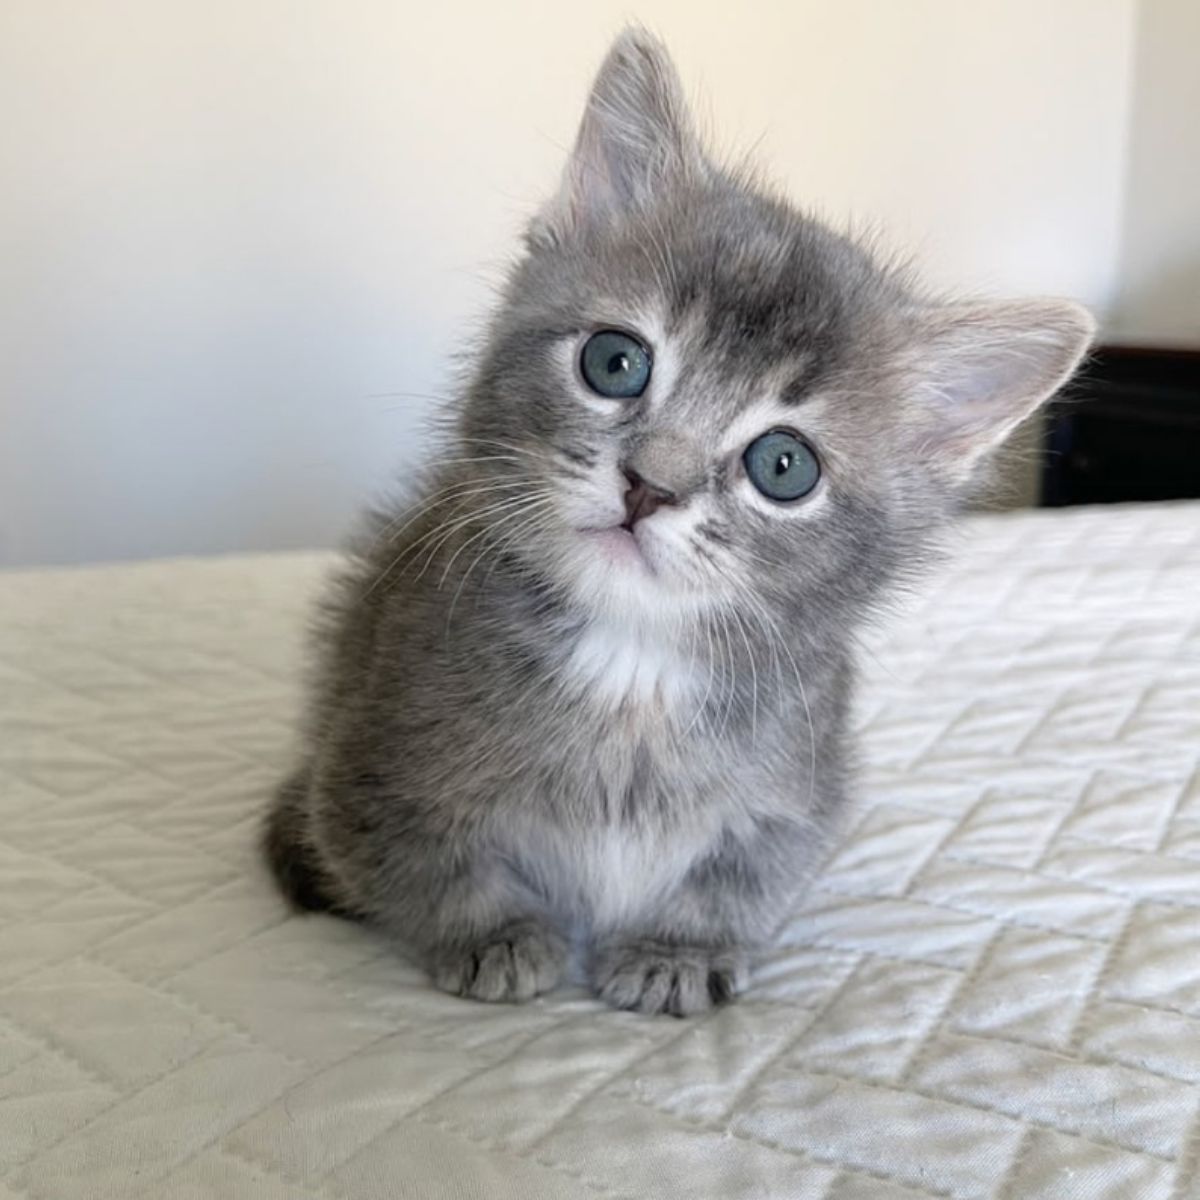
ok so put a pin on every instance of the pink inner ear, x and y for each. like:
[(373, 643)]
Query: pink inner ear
[(985, 369)]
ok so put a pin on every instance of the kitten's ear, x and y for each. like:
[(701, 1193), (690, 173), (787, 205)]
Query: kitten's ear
[(983, 369), (636, 138)]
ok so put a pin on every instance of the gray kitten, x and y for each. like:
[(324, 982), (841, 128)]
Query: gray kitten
[(596, 681)]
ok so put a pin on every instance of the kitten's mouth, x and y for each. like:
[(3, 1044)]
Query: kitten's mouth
[(619, 544)]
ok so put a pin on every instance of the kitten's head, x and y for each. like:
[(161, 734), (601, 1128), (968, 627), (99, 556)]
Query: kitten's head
[(713, 401)]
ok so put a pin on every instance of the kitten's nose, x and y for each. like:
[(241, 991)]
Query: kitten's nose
[(643, 498)]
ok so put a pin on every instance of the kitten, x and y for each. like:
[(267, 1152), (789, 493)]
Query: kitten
[(596, 681)]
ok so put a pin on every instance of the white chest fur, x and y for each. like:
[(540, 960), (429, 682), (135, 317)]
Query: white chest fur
[(611, 874), (615, 859), (616, 665)]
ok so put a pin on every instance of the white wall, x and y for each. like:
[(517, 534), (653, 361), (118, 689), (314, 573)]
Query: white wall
[(1160, 260), (239, 235)]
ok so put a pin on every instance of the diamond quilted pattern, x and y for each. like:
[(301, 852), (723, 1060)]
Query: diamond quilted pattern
[(1031, 987), (75, 922), (1108, 1104), (42, 1101), (933, 1146), (991, 993), (120, 1030), (1084, 1169), (130, 1145)]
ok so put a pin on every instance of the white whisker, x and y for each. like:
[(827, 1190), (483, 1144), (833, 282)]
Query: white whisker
[(521, 527)]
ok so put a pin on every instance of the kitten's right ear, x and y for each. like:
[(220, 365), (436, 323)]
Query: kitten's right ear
[(636, 138)]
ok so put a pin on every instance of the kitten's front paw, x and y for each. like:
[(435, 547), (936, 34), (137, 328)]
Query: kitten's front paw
[(515, 963), (659, 977)]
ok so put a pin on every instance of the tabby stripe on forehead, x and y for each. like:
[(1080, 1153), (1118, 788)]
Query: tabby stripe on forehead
[(800, 388), (583, 458)]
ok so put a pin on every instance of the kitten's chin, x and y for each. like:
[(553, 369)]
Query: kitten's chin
[(619, 574), (618, 546)]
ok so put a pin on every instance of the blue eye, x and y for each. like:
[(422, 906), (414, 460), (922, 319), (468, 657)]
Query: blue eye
[(781, 465), (615, 365)]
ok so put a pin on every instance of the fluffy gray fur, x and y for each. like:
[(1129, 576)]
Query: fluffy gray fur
[(530, 726)]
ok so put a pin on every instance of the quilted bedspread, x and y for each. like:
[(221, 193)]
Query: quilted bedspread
[(993, 989)]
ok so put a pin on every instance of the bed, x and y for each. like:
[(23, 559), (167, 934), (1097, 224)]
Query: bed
[(992, 991)]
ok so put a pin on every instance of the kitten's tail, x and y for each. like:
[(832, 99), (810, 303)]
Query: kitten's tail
[(291, 859)]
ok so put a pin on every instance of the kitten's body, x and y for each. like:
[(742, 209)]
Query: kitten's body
[(573, 788), (537, 716)]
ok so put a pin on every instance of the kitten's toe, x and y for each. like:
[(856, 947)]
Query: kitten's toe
[(513, 964), (658, 977)]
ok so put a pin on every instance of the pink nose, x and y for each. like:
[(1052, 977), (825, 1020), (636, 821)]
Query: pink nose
[(643, 498)]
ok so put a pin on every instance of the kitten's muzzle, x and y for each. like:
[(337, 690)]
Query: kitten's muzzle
[(643, 498)]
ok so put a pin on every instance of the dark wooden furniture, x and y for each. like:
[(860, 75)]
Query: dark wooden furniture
[(1126, 428)]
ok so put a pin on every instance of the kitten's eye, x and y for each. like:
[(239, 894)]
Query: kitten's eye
[(615, 365), (781, 465)]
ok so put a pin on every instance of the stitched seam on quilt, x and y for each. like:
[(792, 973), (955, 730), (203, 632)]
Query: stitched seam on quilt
[(805, 1156), (910, 1089)]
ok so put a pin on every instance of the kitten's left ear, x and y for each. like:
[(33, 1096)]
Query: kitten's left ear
[(636, 139), (983, 369)]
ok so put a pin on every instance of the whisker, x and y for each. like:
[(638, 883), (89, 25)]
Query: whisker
[(727, 672), (710, 654), (483, 514), (540, 501), (766, 617), (480, 458), (533, 521), (446, 527), (498, 444), (753, 677), (460, 493)]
